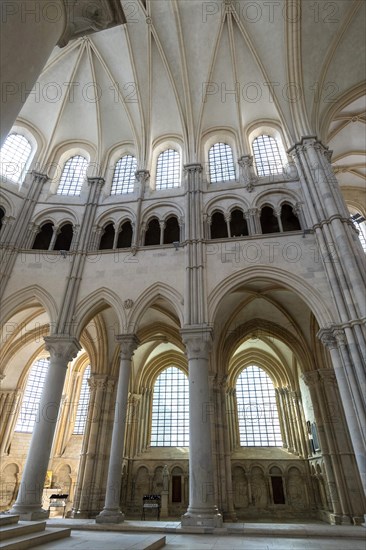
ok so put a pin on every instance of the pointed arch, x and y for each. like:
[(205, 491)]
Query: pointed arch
[(95, 302), (147, 299), (27, 297)]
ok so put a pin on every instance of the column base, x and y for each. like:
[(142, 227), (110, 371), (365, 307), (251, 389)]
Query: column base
[(214, 520), (339, 519), (110, 516), (164, 504), (29, 514)]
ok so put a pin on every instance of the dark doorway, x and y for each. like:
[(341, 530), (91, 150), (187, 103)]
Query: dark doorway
[(176, 489), (277, 490)]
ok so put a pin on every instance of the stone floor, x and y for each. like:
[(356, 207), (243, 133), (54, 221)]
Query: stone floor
[(137, 535)]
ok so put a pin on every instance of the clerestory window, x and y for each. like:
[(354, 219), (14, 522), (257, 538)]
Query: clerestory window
[(73, 176), (221, 163), (14, 156), (168, 170), (267, 156), (124, 175)]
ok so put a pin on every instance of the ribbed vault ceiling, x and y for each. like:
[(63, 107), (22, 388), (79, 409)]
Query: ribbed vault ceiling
[(151, 75)]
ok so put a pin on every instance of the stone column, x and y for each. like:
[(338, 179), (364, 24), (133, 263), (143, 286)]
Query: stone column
[(9, 404), (142, 177), (202, 510), (42, 26), (17, 236), (62, 349), (92, 453), (248, 175), (335, 341), (111, 512)]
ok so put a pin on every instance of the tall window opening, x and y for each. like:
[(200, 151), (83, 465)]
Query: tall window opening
[(267, 156), (125, 235), (152, 235), (30, 411), (290, 222), (238, 224), (218, 226), (124, 175), (221, 163), (171, 231), (64, 238), (107, 238), (83, 404), (170, 409), (259, 423), (269, 221), (14, 156), (2, 215), (73, 176), (44, 237), (360, 223), (168, 170)]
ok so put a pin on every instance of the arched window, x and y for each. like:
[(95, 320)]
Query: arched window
[(14, 156), (171, 231), (218, 226), (267, 156), (221, 163), (290, 222), (44, 237), (152, 235), (259, 424), (170, 409), (269, 221), (2, 215), (238, 224), (29, 412), (360, 224), (64, 238), (124, 175), (73, 176), (83, 404), (168, 170), (125, 235), (107, 238)]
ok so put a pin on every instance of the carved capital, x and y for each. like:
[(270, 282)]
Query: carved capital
[(142, 176), (198, 341), (328, 376), (193, 168), (97, 382), (96, 180), (128, 343), (39, 177), (62, 347), (85, 17), (327, 338), (311, 378)]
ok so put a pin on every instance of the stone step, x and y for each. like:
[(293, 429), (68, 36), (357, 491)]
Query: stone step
[(7, 519), (19, 529), (34, 539)]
